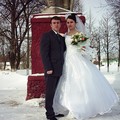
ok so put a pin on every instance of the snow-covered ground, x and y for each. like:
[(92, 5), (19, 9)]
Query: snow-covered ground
[(13, 105)]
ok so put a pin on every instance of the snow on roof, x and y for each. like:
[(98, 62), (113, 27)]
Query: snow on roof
[(61, 14), (52, 11), (47, 16)]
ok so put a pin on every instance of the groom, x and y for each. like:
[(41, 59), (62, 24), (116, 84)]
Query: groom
[(52, 49)]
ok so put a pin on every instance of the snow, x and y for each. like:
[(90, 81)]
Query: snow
[(13, 105)]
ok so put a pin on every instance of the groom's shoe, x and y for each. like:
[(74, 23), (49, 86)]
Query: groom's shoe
[(52, 118), (59, 115)]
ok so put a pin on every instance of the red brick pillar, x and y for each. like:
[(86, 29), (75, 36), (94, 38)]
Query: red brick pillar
[(35, 87)]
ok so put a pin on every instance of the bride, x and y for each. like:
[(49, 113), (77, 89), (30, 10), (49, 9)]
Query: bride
[(82, 89)]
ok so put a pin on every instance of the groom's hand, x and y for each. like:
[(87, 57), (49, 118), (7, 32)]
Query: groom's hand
[(49, 72)]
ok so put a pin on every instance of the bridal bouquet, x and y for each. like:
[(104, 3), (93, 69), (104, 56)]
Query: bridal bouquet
[(82, 42), (78, 38)]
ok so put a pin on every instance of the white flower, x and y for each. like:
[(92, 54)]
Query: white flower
[(78, 37)]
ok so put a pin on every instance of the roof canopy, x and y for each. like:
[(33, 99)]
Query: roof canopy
[(54, 10)]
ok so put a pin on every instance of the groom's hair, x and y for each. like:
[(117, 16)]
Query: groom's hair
[(55, 18)]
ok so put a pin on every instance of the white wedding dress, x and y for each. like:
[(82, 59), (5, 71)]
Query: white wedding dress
[(82, 88)]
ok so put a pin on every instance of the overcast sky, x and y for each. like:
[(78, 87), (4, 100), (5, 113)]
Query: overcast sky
[(96, 7)]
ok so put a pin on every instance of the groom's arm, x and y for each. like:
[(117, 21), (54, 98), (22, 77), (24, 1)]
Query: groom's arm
[(45, 52)]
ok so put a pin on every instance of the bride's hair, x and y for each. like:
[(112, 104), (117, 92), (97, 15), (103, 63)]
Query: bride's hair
[(72, 16)]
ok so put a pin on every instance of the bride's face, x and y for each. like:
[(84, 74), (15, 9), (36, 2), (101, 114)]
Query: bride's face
[(70, 24)]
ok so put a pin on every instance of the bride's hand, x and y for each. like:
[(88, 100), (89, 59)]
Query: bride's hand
[(83, 48)]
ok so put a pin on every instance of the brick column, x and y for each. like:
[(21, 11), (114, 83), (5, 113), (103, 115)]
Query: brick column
[(35, 87)]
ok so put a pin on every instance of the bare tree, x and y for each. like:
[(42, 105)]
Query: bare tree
[(15, 25), (115, 12), (108, 40), (117, 21), (115, 6), (77, 6)]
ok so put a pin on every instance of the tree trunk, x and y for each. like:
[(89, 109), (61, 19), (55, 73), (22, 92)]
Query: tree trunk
[(12, 58), (12, 55), (18, 59), (119, 52), (107, 52)]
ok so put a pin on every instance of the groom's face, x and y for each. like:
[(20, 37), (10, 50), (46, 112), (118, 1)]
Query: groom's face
[(55, 25)]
